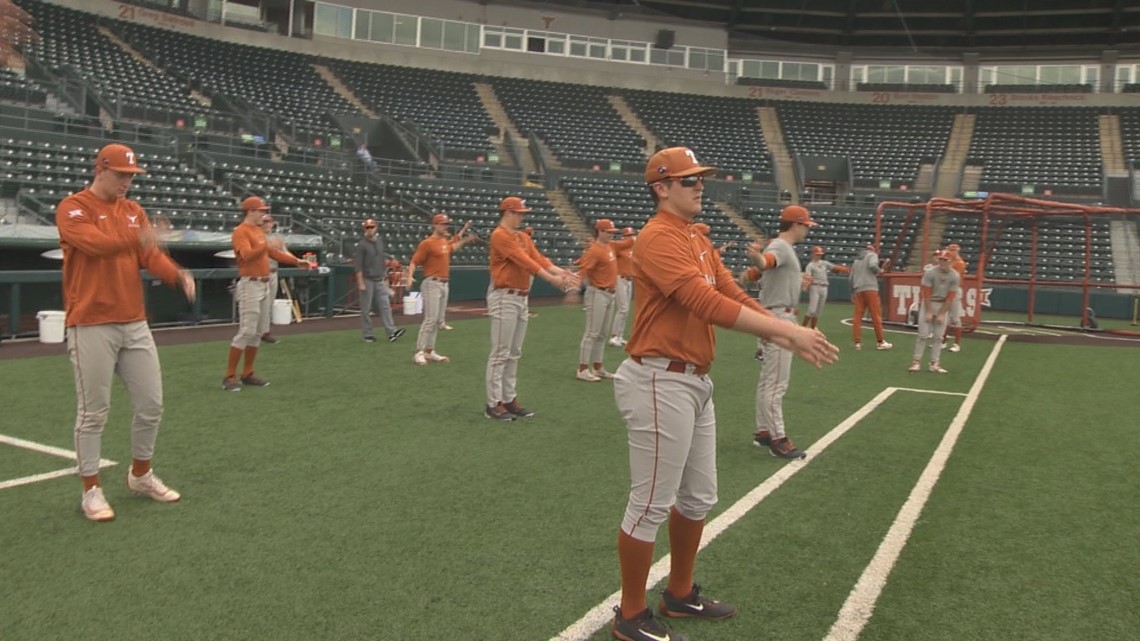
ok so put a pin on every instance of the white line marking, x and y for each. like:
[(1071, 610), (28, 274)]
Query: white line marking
[(36, 478), (928, 391), (37, 447), (860, 604), (601, 614)]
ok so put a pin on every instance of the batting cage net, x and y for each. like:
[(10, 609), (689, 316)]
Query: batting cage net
[(1050, 261)]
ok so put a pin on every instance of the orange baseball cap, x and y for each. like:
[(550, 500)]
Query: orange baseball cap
[(817, 250), (605, 225), (119, 158), (675, 162), (701, 228), (513, 204), (440, 219), (254, 203), (370, 223), (797, 214)]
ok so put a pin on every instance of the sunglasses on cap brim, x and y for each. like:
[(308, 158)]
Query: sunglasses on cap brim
[(690, 181)]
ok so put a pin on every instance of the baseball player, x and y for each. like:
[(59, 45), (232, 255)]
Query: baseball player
[(269, 226), (513, 262), (865, 293), (599, 267), (623, 249), (372, 282), (665, 395), (252, 252), (816, 276), (938, 290), (958, 264), (778, 269), (106, 238), (434, 253)]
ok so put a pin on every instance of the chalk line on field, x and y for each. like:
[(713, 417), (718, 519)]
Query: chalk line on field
[(860, 604), (43, 449)]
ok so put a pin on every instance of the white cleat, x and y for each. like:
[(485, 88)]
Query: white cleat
[(419, 359), (436, 358), (445, 327), (587, 376), (955, 347), (96, 507), (602, 373), (616, 341), (858, 346), (935, 368), (914, 367), (883, 346), (150, 485)]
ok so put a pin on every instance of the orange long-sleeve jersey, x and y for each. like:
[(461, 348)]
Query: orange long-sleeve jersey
[(681, 289), (434, 255), (623, 249), (514, 258), (253, 252), (599, 265), (102, 258)]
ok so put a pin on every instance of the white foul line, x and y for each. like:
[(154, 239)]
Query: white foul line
[(597, 617), (44, 449), (856, 611), (928, 391)]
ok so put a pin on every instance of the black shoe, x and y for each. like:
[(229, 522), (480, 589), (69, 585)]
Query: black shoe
[(230, 384), (518, 410), (783, 448), (643, 627), (268, 338), (254, 381), (763, 438), (758, 356), (498, 412), (369, 339), (396, 334), (694, 605)]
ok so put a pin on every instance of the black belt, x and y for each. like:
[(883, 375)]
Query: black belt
[(787, 310)]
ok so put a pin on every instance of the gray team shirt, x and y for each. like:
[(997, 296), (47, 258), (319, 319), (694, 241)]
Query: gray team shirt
[(370, 258), (941, 283), (818, 270), (863, 272), (781, 284)]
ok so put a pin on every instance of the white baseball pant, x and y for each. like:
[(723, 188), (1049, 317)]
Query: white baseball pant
[(254, 309), (931, 332), (773, 383), (592, 348), (817, 296), (621, 307), (434, 292), (509, 316)]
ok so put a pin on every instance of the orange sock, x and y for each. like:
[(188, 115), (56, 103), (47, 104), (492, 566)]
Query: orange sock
[(90, 481), (582, 367), (814, 320), (250, 357), (807, 321), (635, 557), (597, 366), (231, 366), (684, 539), (958, 334), (139, 467)]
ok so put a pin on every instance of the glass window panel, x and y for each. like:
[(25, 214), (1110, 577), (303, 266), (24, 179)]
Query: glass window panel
[(513, 41), (637, 55), (676, 57), (697, 59), (876, 74), (1092, 76), (454, 35), (597, 51), (956, 76), (657, 56), (494, 40), (750, 68), (578, 49), (472, 38), (619, 53), (556, 47), (363, 24), (431, 33), (896, 74), (381, 30), (344, 23), (828, 71), (324, 20), (404, 31), (769, 69), (716, 60)]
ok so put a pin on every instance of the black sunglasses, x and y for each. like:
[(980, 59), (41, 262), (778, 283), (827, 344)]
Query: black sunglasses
[(690, 181)]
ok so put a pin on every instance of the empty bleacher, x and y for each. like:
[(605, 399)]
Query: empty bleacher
[(576, 122), (723, 132), (843, 231), (1054, 147), (1130, 134), (882, 142), (1060, 247), (17, 88)]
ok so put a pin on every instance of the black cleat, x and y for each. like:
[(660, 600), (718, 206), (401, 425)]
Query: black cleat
[(230, 384), (498, 412), (395, 335), (762, 438), (783, 448), (254, 381), (694, 606), (518, 410), (643, 627)]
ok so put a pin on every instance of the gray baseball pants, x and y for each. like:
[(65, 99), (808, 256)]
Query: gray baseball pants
[(254, 309), (621, 309), (378, 292), (97, 353), (931, 332), (434, 292), (817, 296), (773, 384), (509, 317), (593, 345)]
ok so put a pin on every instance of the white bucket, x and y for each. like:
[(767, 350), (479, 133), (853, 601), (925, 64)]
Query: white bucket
[(282, 312), (413, 304), (51, 326)]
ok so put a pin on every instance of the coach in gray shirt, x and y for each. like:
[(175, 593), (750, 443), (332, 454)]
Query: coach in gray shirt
[(372, 281), (865, 294)]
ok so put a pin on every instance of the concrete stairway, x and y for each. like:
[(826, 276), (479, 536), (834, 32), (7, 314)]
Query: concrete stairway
[(571, 217), (924, 180), (1125, 254), (134, 53), (631, 119), (499, 115), (1111, 150), (961, 134), (745, 225), (342, 89), (781, 159), (971, 178)]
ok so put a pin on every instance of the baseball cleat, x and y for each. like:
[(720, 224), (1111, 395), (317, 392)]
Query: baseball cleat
[(935, 368), (883, 345), (616, 341), (253, 380), (518, 410), (694, 606), (956, 347), (914, 367), (420, 358), (95, 506), (643, 627), (498, 412), (762, 438), (230, 384), (369, 339), (858, 346), (602, 373), (436, 357), (150, 485), (587, 376), (783, 448), (268, 338), (445, 327), (758, 356), (395, 335)]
